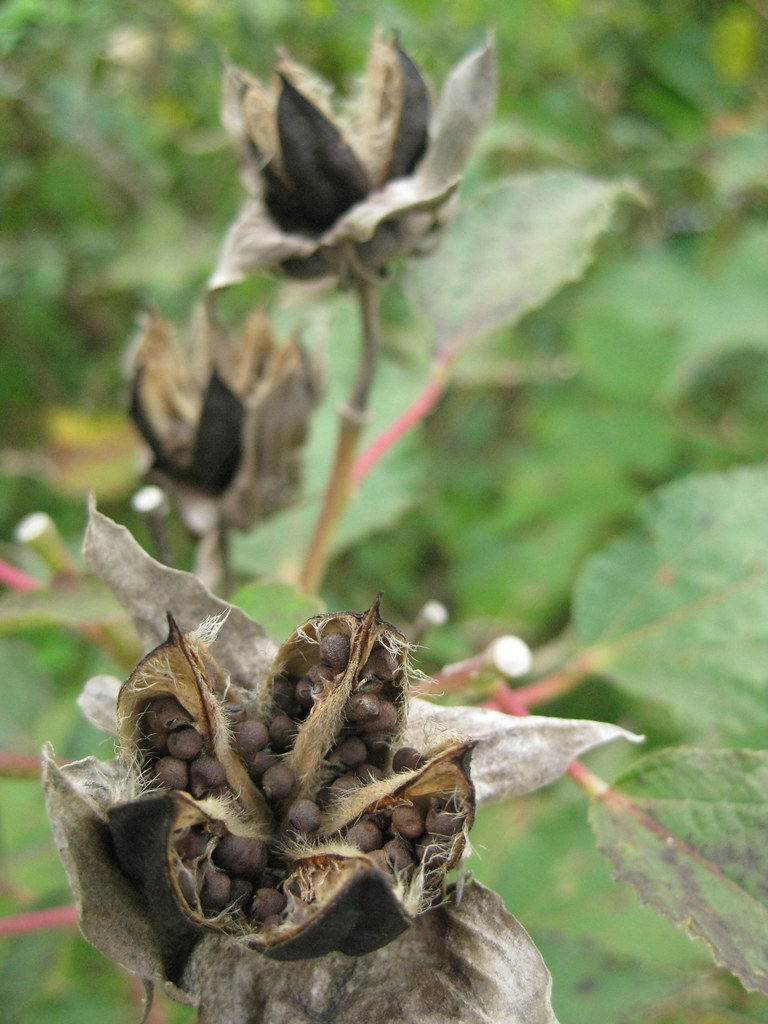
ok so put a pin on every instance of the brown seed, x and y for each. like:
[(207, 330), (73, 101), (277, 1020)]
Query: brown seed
[(283, 694), (385, 720), (350, 752), (241, 891), (399, 855), (378, 744), (267, 902), (172, 772), (443, 823), (320, 676), (235, 713), (363, 708), (304, 815), (277, 781), (381, 664), (344, 784), (380, 859), (214, 894), (408, 821), (185, 742), (189, 884), (261, 762), (191, 844), (165, 714), (368, 773), (305, 693), (334, 651), (250, 737), (282, 732), (365, 835), (206, 774), (407, 759), (241, 855), (432, 854)]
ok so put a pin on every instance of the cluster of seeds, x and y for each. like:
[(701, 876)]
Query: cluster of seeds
[(274, 803)]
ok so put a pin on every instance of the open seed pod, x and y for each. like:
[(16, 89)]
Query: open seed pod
[(305, 832), (173, 725), (342, 681)]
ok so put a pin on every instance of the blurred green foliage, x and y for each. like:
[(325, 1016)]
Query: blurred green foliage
[(116, 186)]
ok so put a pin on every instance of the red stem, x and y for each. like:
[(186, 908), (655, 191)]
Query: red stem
[(423, 404), (38, 920), (14, 578)]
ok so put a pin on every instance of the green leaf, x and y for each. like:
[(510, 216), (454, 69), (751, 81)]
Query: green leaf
[(510, 248), (68, 601), (276, 606), (689, 830), (677, 610)]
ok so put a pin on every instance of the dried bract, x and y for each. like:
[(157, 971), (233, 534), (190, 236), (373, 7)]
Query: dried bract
[(343, 195)]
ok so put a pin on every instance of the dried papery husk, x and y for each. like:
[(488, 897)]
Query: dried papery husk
[(321, 728), (183, 668)]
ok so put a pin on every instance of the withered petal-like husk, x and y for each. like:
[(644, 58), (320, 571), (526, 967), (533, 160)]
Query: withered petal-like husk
[(468, 964), (149, 590), (512, 756)]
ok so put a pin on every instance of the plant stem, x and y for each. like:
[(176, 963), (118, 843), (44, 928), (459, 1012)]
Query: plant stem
[(39, 920), (421, 406), (353, 417), (16, 579)]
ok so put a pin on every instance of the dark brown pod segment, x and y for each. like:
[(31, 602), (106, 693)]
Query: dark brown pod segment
[(140, 831)]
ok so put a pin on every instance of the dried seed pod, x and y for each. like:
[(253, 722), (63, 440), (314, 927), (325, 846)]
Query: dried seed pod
[(176, 684), (314, 843), (344, 643)]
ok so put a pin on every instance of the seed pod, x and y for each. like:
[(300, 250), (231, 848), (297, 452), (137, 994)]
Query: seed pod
[(174, 686), (343, 643)]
